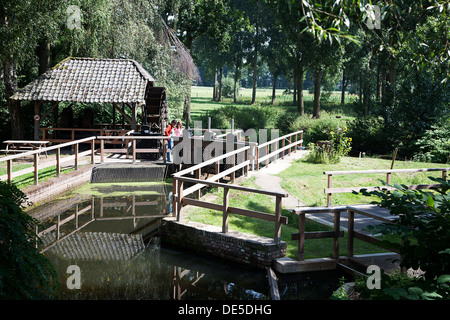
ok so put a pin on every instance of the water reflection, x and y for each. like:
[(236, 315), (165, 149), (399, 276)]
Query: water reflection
[(114, 241)]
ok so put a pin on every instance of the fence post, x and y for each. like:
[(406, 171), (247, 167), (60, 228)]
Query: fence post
[(233, 174), (301, 238), (9, 169), (174, 197), (444, 175), (180, 199), (351, 232), (388, 178), (282, 145), (289, 145), (134, 149), (257, 158), (36, 164), (197, 176), (330, 184), (337, 222), (102, 150), (76, 156), (92, 151), (226, 200), (277, 237), (58, 162)]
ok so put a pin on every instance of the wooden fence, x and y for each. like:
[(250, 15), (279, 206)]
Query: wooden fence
[(329, 191), (180, 193)]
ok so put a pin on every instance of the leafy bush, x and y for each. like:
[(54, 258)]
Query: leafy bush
[(368, 135), (423, 224), (435, 144), (330, 151), (24, 272)]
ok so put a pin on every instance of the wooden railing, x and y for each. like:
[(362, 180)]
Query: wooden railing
[(180, 194), (129, 146), (272, 149), (74, 131), (329, 191), (58, 160)]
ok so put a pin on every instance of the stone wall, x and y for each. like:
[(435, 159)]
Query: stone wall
[(242, 248), (47, 190)]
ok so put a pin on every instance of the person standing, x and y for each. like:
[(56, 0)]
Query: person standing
[(178, 130), (169, 132)]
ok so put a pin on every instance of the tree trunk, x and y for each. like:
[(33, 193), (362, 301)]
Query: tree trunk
[(274, 87), (300, 102), (15, 114), (294, 98), (44, 56), (187, 107), (317, 76), (215, 86), (219, 98), (344, 87), (255, 75), (235, 89)]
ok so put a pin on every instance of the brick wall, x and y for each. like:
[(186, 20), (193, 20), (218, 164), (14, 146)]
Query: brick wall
[(242, 248)]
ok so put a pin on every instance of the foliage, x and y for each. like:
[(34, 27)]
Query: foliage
[(434, 145), (368, 135), (24, 272), (423, 223), (331, 151)]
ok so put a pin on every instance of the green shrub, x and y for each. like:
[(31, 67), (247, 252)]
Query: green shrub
[(434, 146), (330, 151), (24, 272), (423, 223), (368, 135)]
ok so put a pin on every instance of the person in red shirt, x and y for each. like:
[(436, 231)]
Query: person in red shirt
[(168, 132)]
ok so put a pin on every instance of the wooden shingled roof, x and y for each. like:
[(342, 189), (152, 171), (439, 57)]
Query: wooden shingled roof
[(90, 80)]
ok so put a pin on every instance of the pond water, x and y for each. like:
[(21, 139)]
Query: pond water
[(110, 233)]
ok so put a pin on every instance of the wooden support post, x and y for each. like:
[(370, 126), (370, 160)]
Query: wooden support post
[(257, 158), (226, 200), (246, 167), (301, 238), (133, 116), (282, 145), (9, 169), (198, 174), (58, 162), (36, 164), (180, 199), (267, 152), (301, 138), (102, 151), (289, 153), (330, 184), (351, 232), (277, 236), (174, 197), (76, 156), (337, 223), (444, 175), (233, 174), (388, 177), (37, 120), (295, 140), (133, 147), (92, 151)]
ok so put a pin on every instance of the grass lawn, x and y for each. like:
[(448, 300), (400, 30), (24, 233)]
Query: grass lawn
[(307, 181)]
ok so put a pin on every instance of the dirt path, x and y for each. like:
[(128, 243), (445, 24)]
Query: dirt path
[(266, 178)]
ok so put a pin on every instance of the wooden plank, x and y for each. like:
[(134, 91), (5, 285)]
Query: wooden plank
[(317, 235), (202, 204), (226, 203), (318, 209), (273, 284), (384, 171), (234, 187), (256, 214)]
